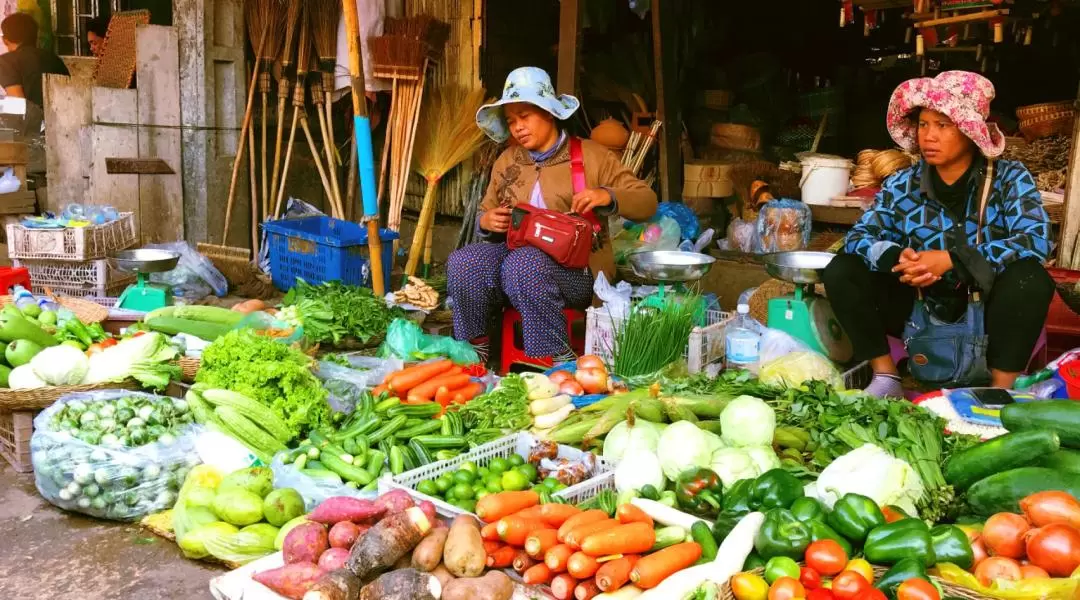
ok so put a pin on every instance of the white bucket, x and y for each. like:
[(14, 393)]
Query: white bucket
[(824, 177)]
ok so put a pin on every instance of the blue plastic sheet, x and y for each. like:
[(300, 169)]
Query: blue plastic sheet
[(689, 226)]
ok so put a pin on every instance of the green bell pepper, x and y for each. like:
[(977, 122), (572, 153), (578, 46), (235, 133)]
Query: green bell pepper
[(753, 561), (775, 488), (808, 509), (737, 499), (782, 535), (951, 545), (699, 492), (906, 538), (903, 570), (725, 522), (853, 517), (820, 531)]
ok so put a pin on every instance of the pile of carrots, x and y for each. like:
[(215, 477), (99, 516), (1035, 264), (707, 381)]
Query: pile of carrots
[(440, 381), (579, 553)]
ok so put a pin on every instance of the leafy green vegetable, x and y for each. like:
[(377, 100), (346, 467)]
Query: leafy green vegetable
[(504, 408), (270, 372), (649, 339), (333, 311)]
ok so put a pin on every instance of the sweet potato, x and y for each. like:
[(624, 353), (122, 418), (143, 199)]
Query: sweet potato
[(335, 585), (333, 559), (292, 581), (403, 584), (429, 510), (305, 543), (428, 553), (343, 508), (344, 534), (463, 553), (395, 501), (443, 575), (386, 542), (493, 586)]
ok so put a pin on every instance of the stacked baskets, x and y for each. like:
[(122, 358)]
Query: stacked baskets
[(73, 261), (1043, 120)]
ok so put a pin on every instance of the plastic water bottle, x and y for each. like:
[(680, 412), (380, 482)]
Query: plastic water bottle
[(22, 297), (742, 341)]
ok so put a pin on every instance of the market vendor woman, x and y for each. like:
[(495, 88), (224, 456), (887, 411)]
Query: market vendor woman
[(925, 233), (485, 277)]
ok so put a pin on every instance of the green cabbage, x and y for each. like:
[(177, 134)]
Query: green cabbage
[(763, 457), (733, 465), (640, 467), (683, 446), (797, 368), (622, 437), (871, 471), (747, 421)]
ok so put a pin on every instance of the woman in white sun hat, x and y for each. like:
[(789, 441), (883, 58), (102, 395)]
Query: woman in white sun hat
[(485, 277)]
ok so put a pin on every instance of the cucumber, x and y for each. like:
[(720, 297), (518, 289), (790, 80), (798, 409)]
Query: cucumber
[(387, 429), (426, 426), (1060, 416), (441, 442), (1064, 460), (702, 534), (1002, 453), (1003, 491)]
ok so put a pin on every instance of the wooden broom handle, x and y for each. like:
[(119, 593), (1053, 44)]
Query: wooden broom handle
[(243, 134)]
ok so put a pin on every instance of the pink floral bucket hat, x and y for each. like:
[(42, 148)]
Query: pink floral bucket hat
[(962, 96)]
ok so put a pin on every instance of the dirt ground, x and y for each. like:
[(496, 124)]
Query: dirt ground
[(46, 553)]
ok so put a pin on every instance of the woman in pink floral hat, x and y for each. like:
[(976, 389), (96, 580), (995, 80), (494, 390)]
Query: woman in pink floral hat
[(948, 230)]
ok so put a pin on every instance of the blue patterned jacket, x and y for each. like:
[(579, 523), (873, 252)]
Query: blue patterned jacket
[(906, 214)]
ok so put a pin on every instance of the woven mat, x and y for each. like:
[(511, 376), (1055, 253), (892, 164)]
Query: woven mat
[(116, 66)]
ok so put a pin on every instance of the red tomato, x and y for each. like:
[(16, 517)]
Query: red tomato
[(863, 568), (108, 342), (872, 593), (820, 594), (786, 588), (917, 589), (848, 585), (809, 578), (826, 557)]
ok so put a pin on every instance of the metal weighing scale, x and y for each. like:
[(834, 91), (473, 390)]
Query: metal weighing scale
[(803, 314), (671, 270), (143, 295)]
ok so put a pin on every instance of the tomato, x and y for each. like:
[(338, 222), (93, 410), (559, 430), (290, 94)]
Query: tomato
[(1033, 572), (820, 594), (748, 586), (810, 578), (848, 585), (872, 593), (917, 589), (826, 557), (997, 567), (780, 566), (786, 588), (861, 567)]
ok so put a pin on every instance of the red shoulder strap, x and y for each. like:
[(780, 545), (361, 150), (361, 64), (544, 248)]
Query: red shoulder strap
[(577, 176)]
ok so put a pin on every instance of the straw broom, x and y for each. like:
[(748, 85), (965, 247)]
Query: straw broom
[(325, 16), (303, 58), (245, 126), (450, 136), (268, 16), (293, 17), (318, 99)]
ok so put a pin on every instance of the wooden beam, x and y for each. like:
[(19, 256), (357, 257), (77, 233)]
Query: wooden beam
[(137, 166), (1069, 256), (569, 34), (664, 30), (985, 15)]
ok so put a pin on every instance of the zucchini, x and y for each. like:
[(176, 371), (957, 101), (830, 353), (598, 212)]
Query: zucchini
[(387, 429), (441, 442), (410, 459), (347, 471), (427, 409), (425, 427), (1064, 460), (1002, 453), (457, 424), (702, 534), (366, 405), (446, 454), (1003, 491), (384, 405), (1060, 416), (349, 445), (397, 460), (423, 457), (376, 462)]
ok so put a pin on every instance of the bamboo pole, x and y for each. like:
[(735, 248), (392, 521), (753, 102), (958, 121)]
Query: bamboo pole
[(283, 92), (264, 90), (319, 166), (288, 160), (254, 196), (245, 126)]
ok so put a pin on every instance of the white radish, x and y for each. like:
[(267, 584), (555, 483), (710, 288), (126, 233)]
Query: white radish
[(665, 515), (548, 405), (552, 419)]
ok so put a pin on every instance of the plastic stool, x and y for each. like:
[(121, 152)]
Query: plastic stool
[(511, 353), (13, 276)]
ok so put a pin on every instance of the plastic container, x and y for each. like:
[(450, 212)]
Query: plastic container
[(742, 341), (320, 249), (16, 429), (1069, 372), (704, 347), (72, 243), (824, 177), (94, 275)]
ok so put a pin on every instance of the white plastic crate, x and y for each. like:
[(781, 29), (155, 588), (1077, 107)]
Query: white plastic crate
[(519, 443), (859, 376), (72, 243), (90, 275), (704, 347)]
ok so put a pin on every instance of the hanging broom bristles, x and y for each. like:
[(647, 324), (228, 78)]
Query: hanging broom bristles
[(271, 15), (396, 57), (324, 16), (294, 22)]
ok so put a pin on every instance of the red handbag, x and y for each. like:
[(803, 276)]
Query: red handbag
[(568, 238)]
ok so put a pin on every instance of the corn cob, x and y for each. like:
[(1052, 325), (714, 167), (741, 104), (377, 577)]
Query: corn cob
[(210, 314), (241, 428), (257, 413)]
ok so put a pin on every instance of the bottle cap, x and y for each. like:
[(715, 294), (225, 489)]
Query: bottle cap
[(744, 309)]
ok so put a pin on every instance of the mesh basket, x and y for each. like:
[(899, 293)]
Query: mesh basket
[(859, 376), (72, 243), (704, 347), (16, 428), (91, 275), (518, 443)]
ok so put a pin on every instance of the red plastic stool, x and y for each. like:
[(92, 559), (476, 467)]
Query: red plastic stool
[(13, 276), (513, 352)]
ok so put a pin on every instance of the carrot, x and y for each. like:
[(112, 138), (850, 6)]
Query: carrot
[(586, 590), (556, 557), (410, 377), (502, 558), (581, 565), (539, 542), (522, 562), (450, 380), (578, 534), (496, 506), (613, 575), (379, 390), (629, 513), (562, 586), (532, 513), (658, 566), (490, 533), (582, 518), (514, 529), (537, 574), (444, 396), (633, 538), (491, 546), (557, 514), (468, 393)]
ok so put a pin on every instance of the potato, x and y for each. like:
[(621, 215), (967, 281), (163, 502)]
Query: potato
[(305, 543), (493, 586), (405, 562), (344, 534), (463, 553), (429, 552), (333, 559), (442, 575)]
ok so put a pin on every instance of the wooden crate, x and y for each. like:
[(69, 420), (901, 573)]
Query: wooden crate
[(16, 428)]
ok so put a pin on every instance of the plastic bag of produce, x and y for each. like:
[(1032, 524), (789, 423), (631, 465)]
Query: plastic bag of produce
[(406, 341), (1023, 589), (792, 370), (346, 384), (113, 454), (313, 489)]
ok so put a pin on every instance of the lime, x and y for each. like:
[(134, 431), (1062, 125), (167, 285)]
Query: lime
[(463, 476), (466, 505), (514, 481), (494, 485), (516, 460), (468, 466), (482, 493), (560, 487), (483, 472), (528, 471), (444, 482), (427, 487), (463, 491), (551, 483), (498, 465)]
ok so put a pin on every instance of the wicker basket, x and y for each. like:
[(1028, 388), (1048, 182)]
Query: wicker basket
[(88, 312), (707, 179), (189, 367), (1048, 124), (735, 137), (951, 589), (1032, 111), (44, 397)]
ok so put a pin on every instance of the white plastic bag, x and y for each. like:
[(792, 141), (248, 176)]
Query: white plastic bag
[(346, 384), (314, 490), (776, 343), (616, 298)]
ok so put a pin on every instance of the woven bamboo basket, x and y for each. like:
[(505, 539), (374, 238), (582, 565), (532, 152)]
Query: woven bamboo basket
[(735, 137), (1031, 111), (87, 311), (1048, 124), (707, 179), (189, 367), (44, 397), (951, 589)]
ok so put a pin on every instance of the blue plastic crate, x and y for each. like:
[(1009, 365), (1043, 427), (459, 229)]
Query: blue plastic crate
[(320, 249)]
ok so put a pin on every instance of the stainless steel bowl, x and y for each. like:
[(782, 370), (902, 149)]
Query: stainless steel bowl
[(145, 260), (671, 265), (798, 267)]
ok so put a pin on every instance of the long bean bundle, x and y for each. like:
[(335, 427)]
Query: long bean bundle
[(649, 339)]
